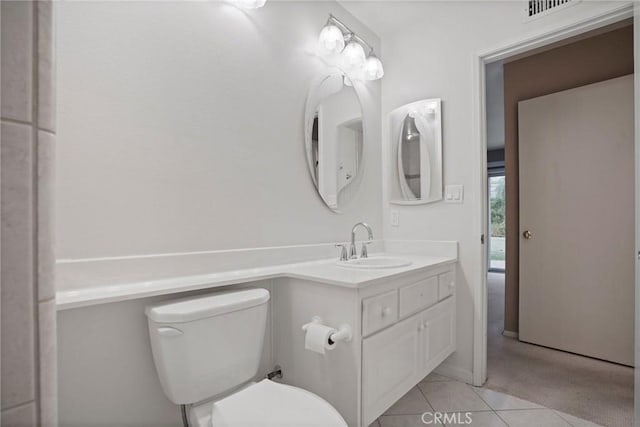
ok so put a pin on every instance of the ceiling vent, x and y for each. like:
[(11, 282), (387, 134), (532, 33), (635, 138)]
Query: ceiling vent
[(537, 8)]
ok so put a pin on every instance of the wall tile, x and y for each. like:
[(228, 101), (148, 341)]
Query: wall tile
[(21, 416), (46, 261), (46, 67), (48, 364), (17, 41), (17, 264), (18, 225)]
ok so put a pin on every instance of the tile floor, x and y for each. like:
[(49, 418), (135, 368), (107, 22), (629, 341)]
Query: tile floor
[(488, 408)]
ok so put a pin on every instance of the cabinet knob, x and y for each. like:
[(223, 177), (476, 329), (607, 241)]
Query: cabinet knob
[(420, 327), (386, 311)]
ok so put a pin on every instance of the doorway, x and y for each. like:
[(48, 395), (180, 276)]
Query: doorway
[(545, 376)]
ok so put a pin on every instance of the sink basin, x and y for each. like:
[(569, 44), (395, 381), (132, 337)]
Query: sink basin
[(375, 262)]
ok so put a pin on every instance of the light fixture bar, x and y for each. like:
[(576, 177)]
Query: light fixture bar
[(333, 20)]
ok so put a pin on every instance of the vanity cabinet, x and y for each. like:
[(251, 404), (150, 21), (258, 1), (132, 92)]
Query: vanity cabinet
[(395, 359), (403, 328)]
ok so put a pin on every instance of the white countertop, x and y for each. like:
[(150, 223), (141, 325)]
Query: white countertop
[(323, 271)]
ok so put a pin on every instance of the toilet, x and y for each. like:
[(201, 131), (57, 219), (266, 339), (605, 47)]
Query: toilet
[(207, 351)]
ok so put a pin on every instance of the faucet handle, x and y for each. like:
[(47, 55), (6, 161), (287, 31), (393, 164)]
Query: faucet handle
[(353, 253), (363, 253), (343, 252)]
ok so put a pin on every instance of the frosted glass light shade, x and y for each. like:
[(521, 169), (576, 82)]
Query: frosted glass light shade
[(353, 57), (331, 41), (373, 68), (248, 4)]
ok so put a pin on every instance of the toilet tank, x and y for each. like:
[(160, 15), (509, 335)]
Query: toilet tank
[(205, 345)]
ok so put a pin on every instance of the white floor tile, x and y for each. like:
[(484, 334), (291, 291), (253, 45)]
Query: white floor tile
[(532, 418), (500, 401), (452, 397), (480, 419), (436, 377), (575, 421), (376, 423), (411, 403), (403, 421)]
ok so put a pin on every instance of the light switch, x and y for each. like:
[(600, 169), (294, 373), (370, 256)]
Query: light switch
[(454, 193), (395, 218)]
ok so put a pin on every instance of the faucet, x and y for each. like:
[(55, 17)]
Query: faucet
[(352, 247)]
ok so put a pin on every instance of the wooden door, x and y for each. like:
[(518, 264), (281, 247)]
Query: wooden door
[(577, 202)]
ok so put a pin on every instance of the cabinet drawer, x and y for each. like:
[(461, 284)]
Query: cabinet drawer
[(417, 296), (446, 284), (379, 311)]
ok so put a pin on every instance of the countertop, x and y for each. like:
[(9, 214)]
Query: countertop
[(324, 271)]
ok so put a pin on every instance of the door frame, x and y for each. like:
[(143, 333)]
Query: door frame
[(505, 51)]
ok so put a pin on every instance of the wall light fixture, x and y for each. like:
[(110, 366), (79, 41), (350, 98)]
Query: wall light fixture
[(331, 41), (340, 46)]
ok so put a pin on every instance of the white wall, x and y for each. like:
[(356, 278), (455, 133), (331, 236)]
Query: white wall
[(428, 50), (181, 128)]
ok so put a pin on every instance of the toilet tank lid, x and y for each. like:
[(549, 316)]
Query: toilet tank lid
[(203, 306)]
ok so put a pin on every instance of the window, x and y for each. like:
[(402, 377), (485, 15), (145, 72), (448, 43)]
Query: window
[(496, 247)]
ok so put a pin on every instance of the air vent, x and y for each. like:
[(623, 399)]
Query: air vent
[(537, 8)]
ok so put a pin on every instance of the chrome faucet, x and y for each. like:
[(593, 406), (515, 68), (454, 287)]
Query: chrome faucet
[(352, 247)]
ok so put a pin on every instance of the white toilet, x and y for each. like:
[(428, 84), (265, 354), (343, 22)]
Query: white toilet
[(207, 350)]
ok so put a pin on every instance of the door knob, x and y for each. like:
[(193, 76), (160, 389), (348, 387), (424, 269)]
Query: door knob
[(527, 235)]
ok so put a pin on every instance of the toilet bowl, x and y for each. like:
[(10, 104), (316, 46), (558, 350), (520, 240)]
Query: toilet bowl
[(211, 345), (267, 404)]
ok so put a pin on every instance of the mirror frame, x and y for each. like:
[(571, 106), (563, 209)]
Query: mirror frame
[(311, 107), (397, 119)]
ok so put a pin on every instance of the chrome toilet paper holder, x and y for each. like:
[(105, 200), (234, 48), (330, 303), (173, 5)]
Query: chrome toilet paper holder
[(344, 333)]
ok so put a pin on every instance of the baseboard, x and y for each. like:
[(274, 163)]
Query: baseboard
[(455, 372), (510, 334)]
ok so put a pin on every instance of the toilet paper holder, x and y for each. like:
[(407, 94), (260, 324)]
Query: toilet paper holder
[(344, 333)]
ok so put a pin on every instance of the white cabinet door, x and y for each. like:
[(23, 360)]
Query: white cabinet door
[(439, 334), (390, 366)]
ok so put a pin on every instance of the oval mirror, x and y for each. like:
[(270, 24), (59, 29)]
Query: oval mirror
[(334, 140), (420, 151)]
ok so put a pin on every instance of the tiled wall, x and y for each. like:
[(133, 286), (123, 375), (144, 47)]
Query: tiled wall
[(28, 322)]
